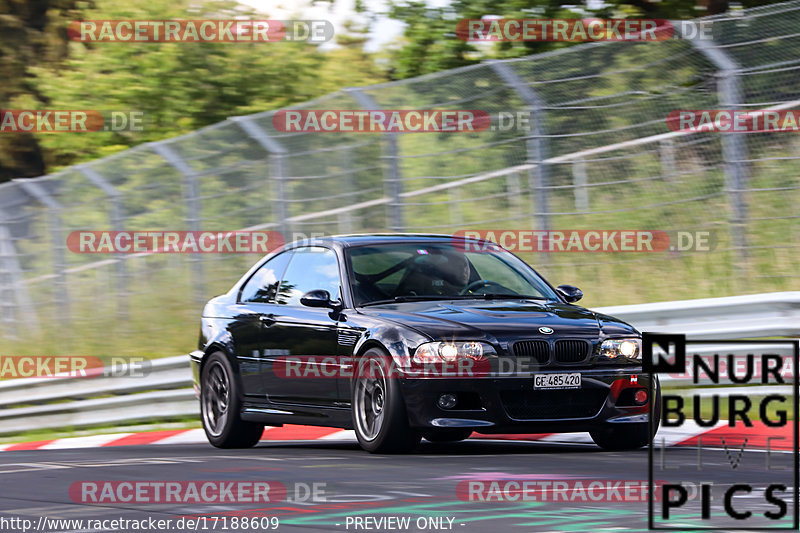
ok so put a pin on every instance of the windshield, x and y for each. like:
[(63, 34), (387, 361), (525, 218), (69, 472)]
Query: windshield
[(420, 271)]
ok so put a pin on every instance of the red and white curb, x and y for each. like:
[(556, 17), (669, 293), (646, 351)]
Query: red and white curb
[(689, 434)]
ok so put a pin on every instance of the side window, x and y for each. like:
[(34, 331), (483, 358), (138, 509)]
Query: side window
[(310, 268), (263, 285)]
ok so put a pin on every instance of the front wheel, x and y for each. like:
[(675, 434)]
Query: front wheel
[(219, 406), (379, 413)]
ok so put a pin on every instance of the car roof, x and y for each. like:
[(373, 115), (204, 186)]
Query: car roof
[(379, 238)]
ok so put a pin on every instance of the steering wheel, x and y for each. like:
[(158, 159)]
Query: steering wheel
[(479, 284)]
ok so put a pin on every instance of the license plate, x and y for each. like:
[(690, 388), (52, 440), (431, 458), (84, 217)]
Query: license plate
[(557, 381)]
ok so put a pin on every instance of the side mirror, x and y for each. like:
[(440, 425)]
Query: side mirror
[(570, 293), (318, 298)]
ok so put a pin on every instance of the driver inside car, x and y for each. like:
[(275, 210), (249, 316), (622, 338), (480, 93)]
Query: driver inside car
[(441, 274)]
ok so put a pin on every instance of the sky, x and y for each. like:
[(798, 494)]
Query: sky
[(382, 32)]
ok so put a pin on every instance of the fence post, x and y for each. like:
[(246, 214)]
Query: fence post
[(734, 147), (579, 181), (345, 221), (392, 182), (117, 218), (456, 212), (667, 153), (277, 169), (9, 306), (61, 296), (193, 206), (535, 144), (14, 293), (514, 191)]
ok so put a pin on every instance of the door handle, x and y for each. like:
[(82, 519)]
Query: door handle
[(267, 320)]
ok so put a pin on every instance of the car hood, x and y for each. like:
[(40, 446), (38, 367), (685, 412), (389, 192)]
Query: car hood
[(498, 319)]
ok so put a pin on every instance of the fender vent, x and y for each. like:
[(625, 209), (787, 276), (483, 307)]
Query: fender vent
[(347, 338)]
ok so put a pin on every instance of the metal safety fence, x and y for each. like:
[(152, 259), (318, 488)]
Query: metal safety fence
[(597, 154), (165, 392)]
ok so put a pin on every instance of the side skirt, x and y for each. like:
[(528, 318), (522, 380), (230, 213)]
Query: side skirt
[(306, 415)]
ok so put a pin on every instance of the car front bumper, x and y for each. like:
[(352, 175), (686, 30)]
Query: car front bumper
[(511, 405), (195, 358)]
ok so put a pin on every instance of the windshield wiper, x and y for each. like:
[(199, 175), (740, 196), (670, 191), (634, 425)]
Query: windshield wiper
[(495, 296), (422, 298), (409, 298)]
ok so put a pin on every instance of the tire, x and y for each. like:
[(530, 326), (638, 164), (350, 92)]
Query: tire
[(629, 436), (220, 403), (379, 412), (446, 435)]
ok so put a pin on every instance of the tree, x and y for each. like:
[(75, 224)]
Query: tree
[(429, 42), (179, 87), (32, 33)]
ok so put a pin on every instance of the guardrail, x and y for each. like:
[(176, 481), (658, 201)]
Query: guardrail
[(775, 314), (166, 392), (48, 403)]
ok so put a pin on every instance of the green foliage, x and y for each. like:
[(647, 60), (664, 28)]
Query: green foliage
[(430, 44), (180, 87), (31, 34), (595, 96)]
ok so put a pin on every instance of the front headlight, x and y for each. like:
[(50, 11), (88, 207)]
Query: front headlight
[(436, 352), (627, 348)]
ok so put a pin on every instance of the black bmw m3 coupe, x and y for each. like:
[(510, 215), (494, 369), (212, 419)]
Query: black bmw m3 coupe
[(403, 337)]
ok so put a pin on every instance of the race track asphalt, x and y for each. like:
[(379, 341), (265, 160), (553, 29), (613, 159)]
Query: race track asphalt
[(422, 488)]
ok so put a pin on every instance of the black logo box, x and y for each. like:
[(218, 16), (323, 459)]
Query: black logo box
[(678, 341)]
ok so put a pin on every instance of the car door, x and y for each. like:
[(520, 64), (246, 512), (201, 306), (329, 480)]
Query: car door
[(308, 336), (254, 309)]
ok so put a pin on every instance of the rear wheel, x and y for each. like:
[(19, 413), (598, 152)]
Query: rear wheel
[(220, 404), (379, 413), (447, 434)]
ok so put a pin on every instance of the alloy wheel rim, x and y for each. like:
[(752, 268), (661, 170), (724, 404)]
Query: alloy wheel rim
[(370, 396), (216, 398)]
